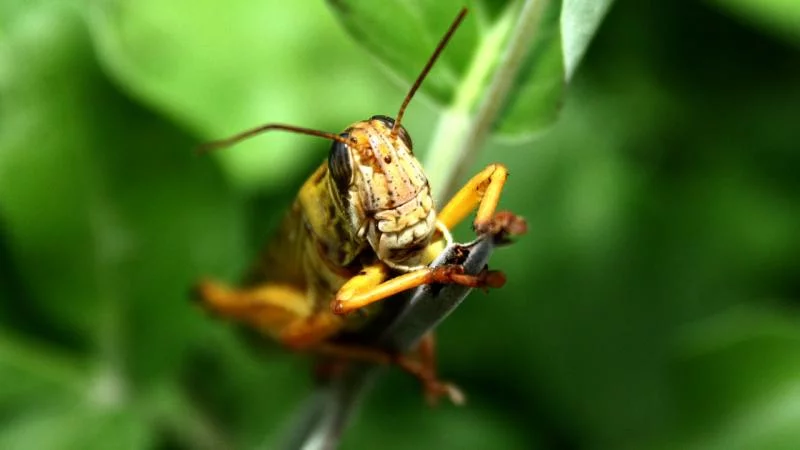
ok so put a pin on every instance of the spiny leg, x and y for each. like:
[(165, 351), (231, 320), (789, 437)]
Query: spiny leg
[(281, 310), (482, 192), (434, 388), (373, 280), (372, 284), (426, 351)]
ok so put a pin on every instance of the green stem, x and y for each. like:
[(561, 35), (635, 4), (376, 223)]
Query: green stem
[(458, 137)]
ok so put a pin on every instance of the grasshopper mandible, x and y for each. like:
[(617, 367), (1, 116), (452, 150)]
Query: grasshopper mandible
[(363, 228)]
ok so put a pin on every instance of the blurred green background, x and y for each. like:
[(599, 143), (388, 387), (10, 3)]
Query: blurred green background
[(652, 305)]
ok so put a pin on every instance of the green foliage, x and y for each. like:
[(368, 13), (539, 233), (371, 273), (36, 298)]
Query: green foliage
[(217, 68), (652, 305), (780, 17), (401, 34)]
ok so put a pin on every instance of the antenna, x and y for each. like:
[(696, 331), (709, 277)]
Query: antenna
[(426, 69), (216, 145)]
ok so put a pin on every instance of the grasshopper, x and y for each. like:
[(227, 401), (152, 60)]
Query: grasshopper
[(362, 229)]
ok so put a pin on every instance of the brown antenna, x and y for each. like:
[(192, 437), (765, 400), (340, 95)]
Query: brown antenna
[(427, 69), (216, 145)]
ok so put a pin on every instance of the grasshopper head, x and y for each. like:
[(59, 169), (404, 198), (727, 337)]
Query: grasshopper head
[(383, 191)]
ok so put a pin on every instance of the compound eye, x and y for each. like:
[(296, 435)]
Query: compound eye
[(339, 164), (401, 132)]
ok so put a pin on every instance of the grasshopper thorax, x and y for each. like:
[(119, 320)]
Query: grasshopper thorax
[(383, 191)]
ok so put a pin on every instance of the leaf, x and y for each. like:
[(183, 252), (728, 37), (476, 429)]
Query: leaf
[(579, 22), (40, 202), (229, 66), (75, 427), (535, 100), (94, 243), (403, 35), (31, 372), (779, 17), (737, 381), (108, 218)]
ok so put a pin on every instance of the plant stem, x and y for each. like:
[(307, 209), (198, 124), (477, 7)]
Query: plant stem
[(459, 137)]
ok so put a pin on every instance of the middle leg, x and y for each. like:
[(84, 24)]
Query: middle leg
[(422, 370)]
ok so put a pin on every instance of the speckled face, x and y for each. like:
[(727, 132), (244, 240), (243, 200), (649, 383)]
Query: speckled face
[(384, 190)]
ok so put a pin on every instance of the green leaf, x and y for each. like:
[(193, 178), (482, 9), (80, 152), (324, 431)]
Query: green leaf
[(403, 35), (108, 218), (234, 65), (737, 381), (31, 371), (535, 100), (47, 211), (779, 17), (76, 427), (112, 242), (579, 22)]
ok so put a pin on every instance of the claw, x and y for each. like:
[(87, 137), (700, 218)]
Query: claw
[(491, 279), (202, 290), (434, 390), (501, 226)]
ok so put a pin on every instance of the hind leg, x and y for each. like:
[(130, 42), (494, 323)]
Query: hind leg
[(281, 311)]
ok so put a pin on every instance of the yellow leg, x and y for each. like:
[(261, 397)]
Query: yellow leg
[(482, 192), (279, 310), (372, 285), (266, 308)]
